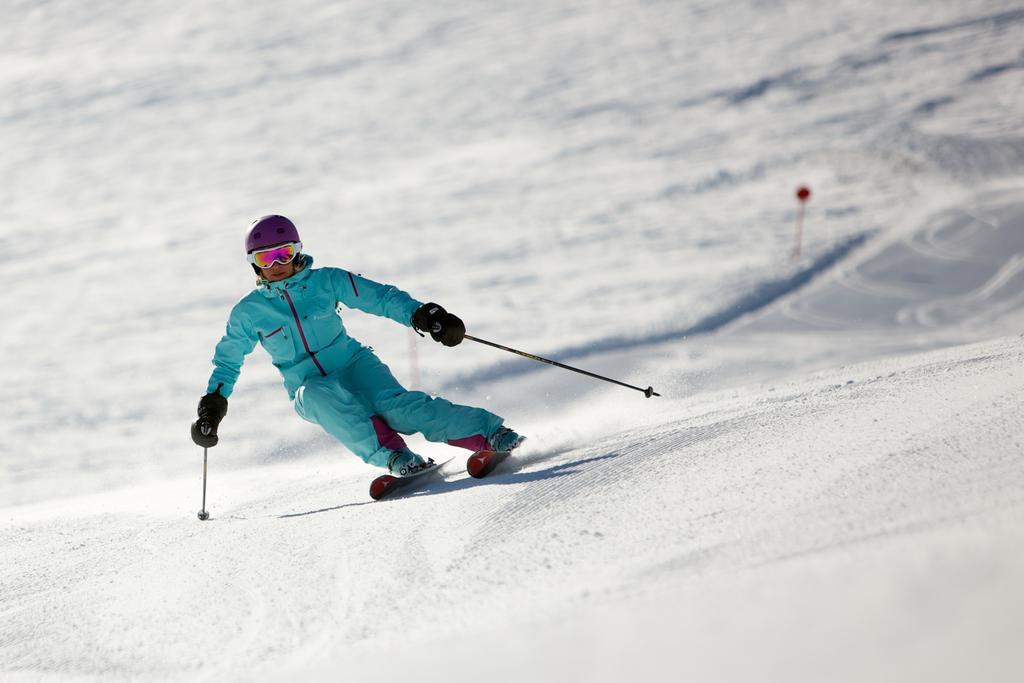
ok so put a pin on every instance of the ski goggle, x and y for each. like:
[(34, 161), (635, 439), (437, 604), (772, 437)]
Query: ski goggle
[(282, 253)]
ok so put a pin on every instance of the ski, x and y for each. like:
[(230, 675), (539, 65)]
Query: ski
[(482, 463), (387, 484)]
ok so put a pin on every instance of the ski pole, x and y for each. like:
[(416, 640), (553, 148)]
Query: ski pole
[(648, 392), (203, 514)]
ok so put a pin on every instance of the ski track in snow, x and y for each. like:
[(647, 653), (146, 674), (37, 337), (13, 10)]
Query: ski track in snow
[(830, 488), (957, 271)]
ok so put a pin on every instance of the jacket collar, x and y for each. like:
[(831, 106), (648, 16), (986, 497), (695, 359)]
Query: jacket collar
[(268, 289)]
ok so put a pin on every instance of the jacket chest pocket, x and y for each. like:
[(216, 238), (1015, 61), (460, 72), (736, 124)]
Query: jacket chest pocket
[(278, 343), (321, 321)]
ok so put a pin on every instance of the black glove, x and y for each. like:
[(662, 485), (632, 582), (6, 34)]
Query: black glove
[(212, 409), (442, 325)]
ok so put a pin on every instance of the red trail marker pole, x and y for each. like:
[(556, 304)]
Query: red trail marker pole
[(803, 194)]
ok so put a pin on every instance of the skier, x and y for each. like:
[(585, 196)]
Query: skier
[(333, 380)]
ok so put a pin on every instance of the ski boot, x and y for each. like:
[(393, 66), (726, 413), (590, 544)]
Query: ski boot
[(505, 440), (404, 463)]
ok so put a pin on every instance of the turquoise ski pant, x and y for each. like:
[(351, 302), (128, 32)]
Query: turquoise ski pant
[(364, 407)]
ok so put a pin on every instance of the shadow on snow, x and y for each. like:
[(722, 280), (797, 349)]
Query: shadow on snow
[(760, 297), (448, 486)]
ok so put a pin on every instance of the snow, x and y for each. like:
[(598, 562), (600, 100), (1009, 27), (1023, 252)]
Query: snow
[(831, 486)]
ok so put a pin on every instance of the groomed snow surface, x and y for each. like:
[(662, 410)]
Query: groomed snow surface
[(831, 487)]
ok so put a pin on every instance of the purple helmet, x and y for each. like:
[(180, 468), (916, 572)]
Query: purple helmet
[(268, 231)]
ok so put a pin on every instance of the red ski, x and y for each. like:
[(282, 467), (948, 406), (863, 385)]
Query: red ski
[(482, 463), (387, 484)]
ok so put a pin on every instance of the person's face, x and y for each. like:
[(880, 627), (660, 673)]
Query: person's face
[(278, 271), (282, 261)]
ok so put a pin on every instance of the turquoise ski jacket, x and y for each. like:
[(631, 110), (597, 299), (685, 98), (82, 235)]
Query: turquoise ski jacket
[(298, 323)]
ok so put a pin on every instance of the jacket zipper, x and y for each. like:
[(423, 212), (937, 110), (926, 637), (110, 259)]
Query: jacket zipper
[(268, 336), (302, 334)]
